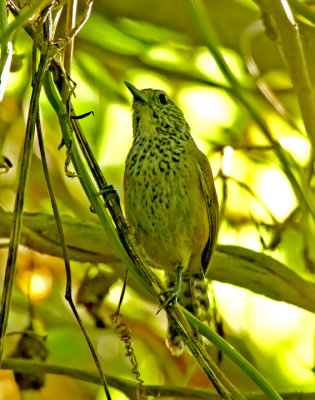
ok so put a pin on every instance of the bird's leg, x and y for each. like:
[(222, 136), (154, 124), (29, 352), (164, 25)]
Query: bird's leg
[(173, 291)]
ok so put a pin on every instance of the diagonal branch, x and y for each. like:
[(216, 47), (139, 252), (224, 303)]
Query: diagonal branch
[(129, 388), (238, 266)]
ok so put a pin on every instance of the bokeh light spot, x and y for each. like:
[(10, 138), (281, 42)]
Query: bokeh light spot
[(227, 160), (298, 146), (295, 370), (207, 65), (158, 53), (232, 302), (207, 110), (36, 282), (8, 387), (143, 80), (275, 191), (118, 136)]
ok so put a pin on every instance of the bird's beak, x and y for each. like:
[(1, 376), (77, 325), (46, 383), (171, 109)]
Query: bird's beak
[(137, 94)]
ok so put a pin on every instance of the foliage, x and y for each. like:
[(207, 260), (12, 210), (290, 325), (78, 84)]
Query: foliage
[(242, 72)]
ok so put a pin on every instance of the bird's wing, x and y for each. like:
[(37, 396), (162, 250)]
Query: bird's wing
[(208, 189)]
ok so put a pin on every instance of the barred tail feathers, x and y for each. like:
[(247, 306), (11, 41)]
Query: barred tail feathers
[(194, 297)]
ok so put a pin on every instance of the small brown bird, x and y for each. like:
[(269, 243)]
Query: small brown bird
[(171, 202)]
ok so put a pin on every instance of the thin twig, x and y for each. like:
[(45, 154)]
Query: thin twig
[(6, 50), (233, 355), (249, 34), (236, 265), (64, 248), (125, 243), (68, 294), (70, 23), (22, 18), (301, 191), (75, 28), (19, 201), (289, 39)]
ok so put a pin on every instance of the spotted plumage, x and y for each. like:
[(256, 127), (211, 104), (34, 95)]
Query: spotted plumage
[(170, 200)]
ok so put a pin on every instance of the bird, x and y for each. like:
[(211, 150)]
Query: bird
[(171, 203)]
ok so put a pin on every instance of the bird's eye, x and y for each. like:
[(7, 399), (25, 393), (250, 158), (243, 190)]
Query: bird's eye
[(163, 99)]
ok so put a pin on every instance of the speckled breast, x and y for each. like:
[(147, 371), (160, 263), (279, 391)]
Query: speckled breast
[(161, 185)]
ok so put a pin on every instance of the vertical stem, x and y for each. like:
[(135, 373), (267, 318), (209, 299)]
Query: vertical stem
[(22, 18), (3, 17), (71, 18), (70, 24), (66, 255), (205, 26), (125, 242), (291, 46), (19, 201), (68, 55), (6, 50)]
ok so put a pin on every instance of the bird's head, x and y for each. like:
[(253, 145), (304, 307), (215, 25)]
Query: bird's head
[(155, 114)]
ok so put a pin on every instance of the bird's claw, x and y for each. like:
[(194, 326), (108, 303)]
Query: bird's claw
[(172, 292), (172, 296)]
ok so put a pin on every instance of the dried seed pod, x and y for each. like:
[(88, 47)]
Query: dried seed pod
[(32, 347), (93, 289)]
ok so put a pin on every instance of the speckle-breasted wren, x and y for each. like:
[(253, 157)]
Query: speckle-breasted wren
[(171, 202)]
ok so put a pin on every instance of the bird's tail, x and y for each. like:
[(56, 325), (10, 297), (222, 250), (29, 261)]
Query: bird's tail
[(194, 297)]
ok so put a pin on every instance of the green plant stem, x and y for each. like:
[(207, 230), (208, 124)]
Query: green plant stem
[(88, 186), (19, 201), (305, 10), (3, 18), (204, 24), (6, 50), (247, 41), (70, 24), (21, 19), (128, 387), (65, 254), (68, 53), (290, 42), (236, 265), (123, 242), (71, 18), (214, 373), (236, 357)]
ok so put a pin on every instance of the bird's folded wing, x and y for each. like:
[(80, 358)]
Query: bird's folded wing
[(208, 189)]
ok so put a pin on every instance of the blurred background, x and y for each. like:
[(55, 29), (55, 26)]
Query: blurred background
[(159, 45)]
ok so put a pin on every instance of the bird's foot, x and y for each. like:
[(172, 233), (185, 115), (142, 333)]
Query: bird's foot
[(172, 292), (172, 295)]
